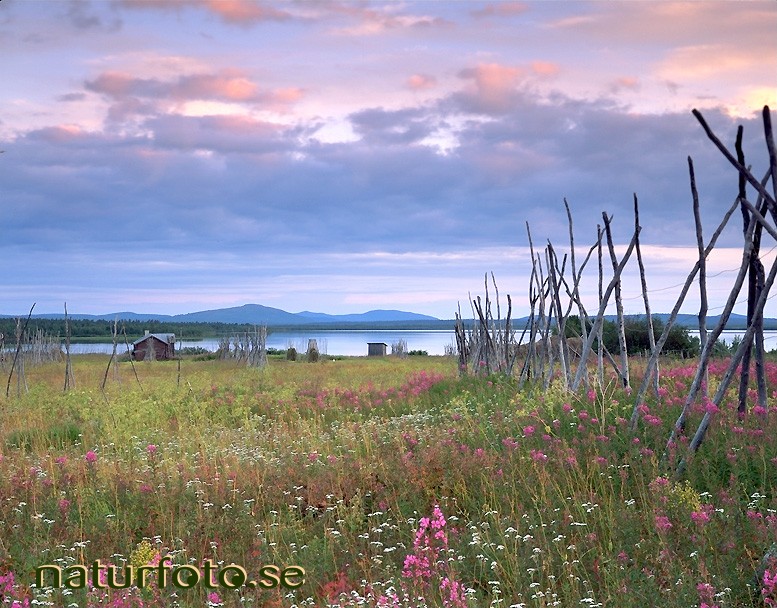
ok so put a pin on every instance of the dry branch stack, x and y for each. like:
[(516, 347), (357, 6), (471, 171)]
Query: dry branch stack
[(490, 346)]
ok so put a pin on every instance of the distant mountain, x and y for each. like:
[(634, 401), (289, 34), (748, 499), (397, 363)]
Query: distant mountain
[(256, 314), (372, 316)]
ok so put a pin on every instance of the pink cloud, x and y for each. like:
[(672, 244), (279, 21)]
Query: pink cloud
[(494, 85), (545, 68), (419, 82), (236, 12), (246, 11), (502, 9), (373, 21), (227, 86), (59, 134), (625, 82)]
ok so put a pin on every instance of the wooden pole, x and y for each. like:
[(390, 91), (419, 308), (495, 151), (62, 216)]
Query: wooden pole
[(643, 282), (702, 270), (653, 361), (600, 316), (619, 303), (18, 352)]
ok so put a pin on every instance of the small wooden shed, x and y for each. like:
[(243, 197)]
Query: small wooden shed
[(154, 347), (376, 349)]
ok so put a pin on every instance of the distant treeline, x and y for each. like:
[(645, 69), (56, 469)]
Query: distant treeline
[(80, 328), (101, 329)]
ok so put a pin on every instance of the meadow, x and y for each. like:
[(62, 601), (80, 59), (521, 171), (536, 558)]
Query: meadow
[(392, 482)]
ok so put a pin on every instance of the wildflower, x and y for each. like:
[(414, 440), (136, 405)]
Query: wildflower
[(151, 449), (700, 517), (64, 505), (528, 430), (538, 456), (509, 443), (90, 457), (662, 523)]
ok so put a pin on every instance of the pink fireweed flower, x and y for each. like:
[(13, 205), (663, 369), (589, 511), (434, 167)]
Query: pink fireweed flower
[(528, 430), (662, 523), (567, 408), (214, 599), (64, 505), (151, 449), (538, 456), (700, 517), (509, 443), (769, 588), (90, 457)]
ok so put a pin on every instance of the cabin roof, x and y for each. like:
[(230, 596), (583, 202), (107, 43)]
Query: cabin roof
[(166, 338)]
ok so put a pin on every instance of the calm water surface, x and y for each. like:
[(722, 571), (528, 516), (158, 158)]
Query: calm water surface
[(354, 343), (333, 342)]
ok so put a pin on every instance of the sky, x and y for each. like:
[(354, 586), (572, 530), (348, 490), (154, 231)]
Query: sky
[(171, 156)]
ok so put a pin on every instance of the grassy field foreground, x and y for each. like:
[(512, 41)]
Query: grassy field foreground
[(391, 482)]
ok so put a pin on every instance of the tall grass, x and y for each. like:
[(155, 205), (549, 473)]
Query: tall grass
[(392, 482)]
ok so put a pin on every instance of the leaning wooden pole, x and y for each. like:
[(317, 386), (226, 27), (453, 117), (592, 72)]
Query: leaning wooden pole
[(679, 426), (643, 283), (70, 381), (600, 333), (18, 352), (619, 304), (759, 187), (727, 376), (702, 269), (576, 279), (653, 361), (113, 355), (600, 316)]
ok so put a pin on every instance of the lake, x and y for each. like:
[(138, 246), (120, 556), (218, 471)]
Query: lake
[(333, 342), (352, 343)]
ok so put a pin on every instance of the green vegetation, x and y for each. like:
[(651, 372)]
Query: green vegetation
[(679, 343), (393, 482)]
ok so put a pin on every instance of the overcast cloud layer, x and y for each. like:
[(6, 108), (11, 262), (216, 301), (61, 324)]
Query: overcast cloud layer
[(185, 155)]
